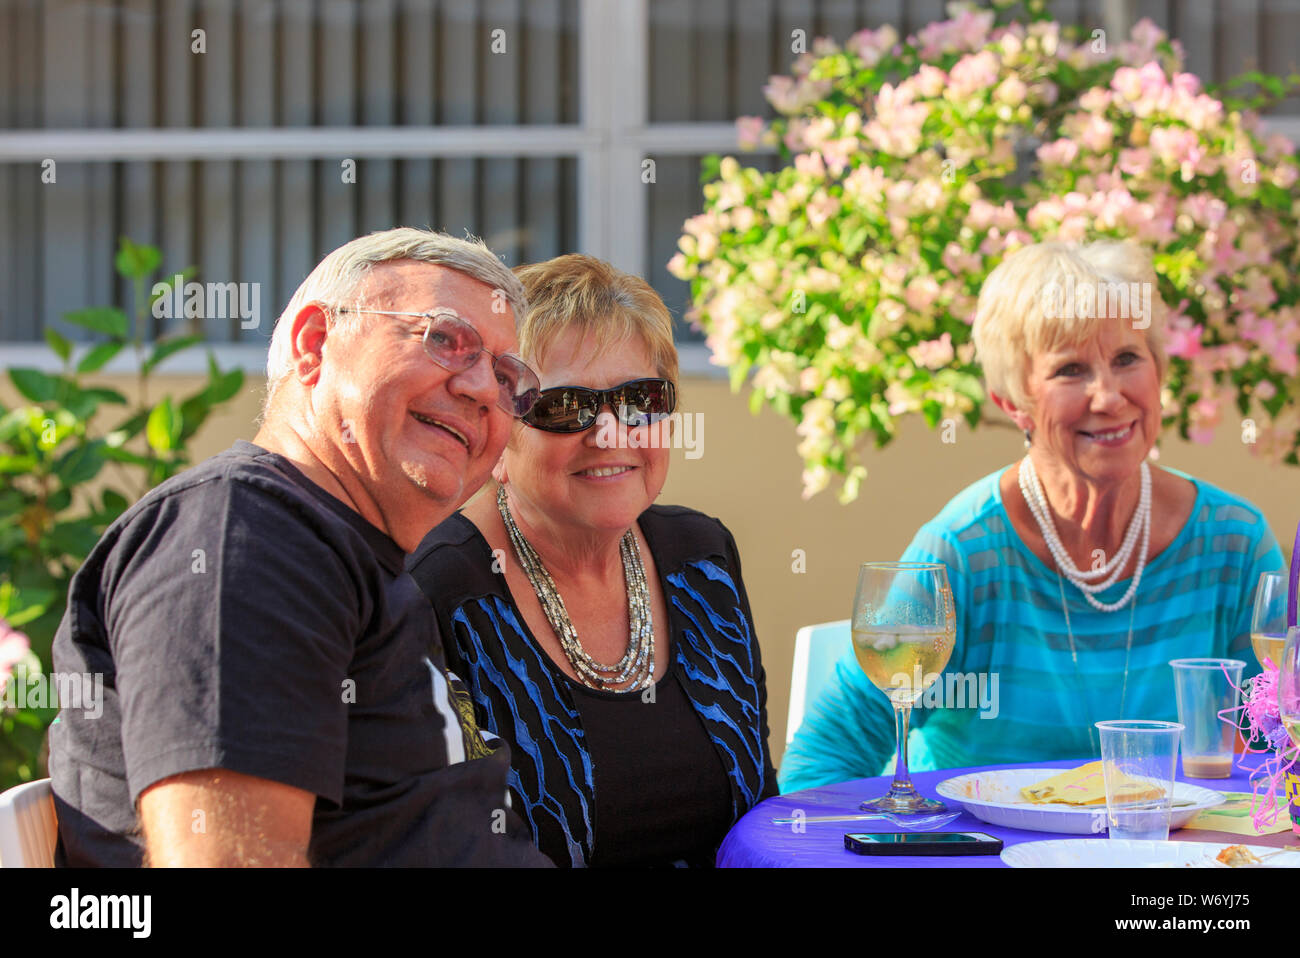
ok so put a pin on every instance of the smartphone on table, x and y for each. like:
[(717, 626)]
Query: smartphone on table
[(922, 843)]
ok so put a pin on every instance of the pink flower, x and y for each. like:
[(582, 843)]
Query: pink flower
[(749, 131), (1201, 112), (971, 74), (1186, 84), (1098, 135), (821, 208), (1265, 390), (967, 32), (1184, 340), (1060, 152), (958, 261), (930, 81), (679, 267), (1127, 83), (871, 45), (1134, 162), (1011, 91), (934, 353), (921, 294), (14, 647), (837, 153), (810, 165), (780, 93), (1142, 46), (865, 185), (790, 96), (1096, 100)]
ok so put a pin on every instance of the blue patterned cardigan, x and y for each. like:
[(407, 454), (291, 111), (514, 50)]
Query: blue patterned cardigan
[(521, 696)]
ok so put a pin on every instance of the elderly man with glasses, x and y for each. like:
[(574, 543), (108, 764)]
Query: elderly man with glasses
[(275, 685)]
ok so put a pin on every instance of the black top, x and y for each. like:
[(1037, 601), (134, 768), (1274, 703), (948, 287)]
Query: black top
[(652, 777), (245, 619)]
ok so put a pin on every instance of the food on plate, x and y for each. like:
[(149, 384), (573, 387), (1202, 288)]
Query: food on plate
[(1237, 856), (1086, 785)]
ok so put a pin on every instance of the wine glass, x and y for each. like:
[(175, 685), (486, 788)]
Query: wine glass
[(904, 627), (1288, 685), (1268, 624)]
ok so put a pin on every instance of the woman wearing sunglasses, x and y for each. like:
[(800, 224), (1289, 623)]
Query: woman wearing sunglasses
[(607, 639)]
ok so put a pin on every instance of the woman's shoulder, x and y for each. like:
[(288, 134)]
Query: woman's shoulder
[(453, 558), (678, 531), (1217, 509), (973, 513)]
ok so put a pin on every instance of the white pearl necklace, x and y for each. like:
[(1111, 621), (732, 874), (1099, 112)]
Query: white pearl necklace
[(1032, 490)]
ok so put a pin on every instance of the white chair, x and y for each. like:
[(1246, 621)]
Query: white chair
[(816, 650), (28, 830)]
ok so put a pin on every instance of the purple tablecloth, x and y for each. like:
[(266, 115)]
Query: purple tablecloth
[(755, 842)]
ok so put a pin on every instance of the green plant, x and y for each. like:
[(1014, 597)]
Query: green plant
[(847, 280), (64, 478)]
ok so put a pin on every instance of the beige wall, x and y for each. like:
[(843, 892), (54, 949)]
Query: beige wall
[(748, 476)]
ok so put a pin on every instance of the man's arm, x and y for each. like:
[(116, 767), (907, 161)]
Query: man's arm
[(216, 818)]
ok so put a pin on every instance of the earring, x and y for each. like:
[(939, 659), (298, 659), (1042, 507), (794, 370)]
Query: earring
[(1029, 439)]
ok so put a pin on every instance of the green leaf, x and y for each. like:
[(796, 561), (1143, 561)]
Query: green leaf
[(113, 504), (166, 347), (12, 423), (136, 261), (163, 430), (27, 605), (194, 411), (82, 403), (17, 465), (128, 429), (60, 344), (34, 384), (101, 319), (75, 538), (118, 454), (98, 356), (81, 464), (224, 386), (106, 395)]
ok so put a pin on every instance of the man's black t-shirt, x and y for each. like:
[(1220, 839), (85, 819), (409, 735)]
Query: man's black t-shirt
[(245, 619)]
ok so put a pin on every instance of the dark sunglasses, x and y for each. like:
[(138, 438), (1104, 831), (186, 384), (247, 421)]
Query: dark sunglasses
[(455, 345), (640, 402)]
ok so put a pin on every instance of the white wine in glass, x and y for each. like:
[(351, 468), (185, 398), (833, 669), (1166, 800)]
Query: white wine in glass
[(1268, 624), (904, 627)]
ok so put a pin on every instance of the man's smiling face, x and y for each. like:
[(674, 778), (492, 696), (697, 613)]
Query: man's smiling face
[(407, 426)]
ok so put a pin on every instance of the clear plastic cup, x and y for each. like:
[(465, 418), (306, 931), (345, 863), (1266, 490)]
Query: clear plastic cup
[(1206, 690), (1137, 763)]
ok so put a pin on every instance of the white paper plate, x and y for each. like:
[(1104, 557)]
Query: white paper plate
[(994, 797), (1108, 853)]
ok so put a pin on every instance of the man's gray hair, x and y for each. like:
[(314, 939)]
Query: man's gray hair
[(335, 280)]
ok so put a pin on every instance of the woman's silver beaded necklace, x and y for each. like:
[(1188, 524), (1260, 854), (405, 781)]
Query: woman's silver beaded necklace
[(1032, 490), (637, 665)]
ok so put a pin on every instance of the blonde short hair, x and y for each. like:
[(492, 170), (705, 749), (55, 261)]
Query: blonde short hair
[(337, 278), (1052, 295), (577, 293)]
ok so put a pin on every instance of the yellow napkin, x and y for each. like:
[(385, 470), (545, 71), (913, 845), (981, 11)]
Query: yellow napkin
[(1233, 816)]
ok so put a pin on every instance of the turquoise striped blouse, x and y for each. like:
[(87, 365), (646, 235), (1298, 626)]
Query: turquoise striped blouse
[(1013, 692)]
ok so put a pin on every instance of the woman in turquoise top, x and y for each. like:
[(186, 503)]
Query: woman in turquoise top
[(1077, 573)]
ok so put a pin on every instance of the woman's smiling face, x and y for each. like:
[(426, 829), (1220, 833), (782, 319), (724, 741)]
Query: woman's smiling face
[(1095, 407), (578, 479)]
